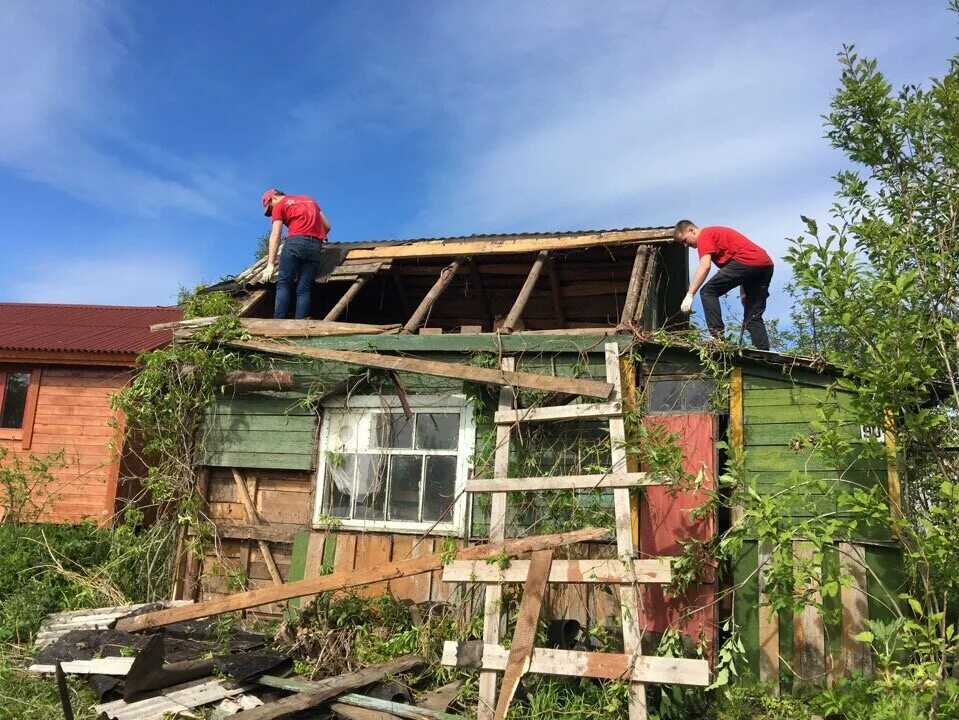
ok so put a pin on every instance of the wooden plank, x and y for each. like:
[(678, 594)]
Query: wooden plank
[(250, 302), (330, 688), (492, 599), (856, 655), (347, 297), (282, 328), (422, 310), (612, 571), (414, 587), (345, 557), (809, 639), (635, 284), (575, 663), (347, 579), (254, 519), (527, 622), (373, 550), (582, 411), (561, 482), (516, 311), (768, 626), (551, 383), (117, 666), (510, 246), (625, 542), (556, 292), (892, 470), (30, 408)]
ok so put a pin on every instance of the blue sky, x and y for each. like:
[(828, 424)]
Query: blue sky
[(136, 138)]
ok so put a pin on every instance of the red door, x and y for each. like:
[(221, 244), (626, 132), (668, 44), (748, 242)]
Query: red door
[(665, 524)]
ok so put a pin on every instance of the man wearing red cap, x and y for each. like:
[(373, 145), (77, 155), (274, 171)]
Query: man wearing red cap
[(741, 262), (307, 230)]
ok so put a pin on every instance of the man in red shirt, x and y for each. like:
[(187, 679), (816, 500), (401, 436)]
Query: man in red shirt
[(307, 230), (741, 262)]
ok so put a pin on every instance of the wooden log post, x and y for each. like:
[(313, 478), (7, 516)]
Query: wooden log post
[(635, 285), (556, 291), (257, 379), (648, 279), (348, 296), (442, 282), (517, 310), (194, 563)]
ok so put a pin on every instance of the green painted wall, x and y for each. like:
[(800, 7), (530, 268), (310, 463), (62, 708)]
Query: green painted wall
[(277, 430), (778, 409)]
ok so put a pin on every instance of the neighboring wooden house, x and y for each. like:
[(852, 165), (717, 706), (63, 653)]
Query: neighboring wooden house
[(357, 465), (59, 365)]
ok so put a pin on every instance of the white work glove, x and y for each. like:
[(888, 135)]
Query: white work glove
[(267, 273), (687, 305)]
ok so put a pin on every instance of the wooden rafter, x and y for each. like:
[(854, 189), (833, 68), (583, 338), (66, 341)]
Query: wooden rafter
[(512, 319), (442, 282), (348, 296), (556, 291), (648, 280)]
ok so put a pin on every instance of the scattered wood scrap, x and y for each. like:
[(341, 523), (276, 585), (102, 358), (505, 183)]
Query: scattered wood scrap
[(437, 368), (353, 578), (402, 710), (279, 328), (332, 687)]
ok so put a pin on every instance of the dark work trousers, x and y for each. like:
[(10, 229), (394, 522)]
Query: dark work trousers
[(299, 262), (755, 283)]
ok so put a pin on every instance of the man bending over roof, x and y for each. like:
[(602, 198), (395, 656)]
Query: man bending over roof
[(300, 258), (741, 262)]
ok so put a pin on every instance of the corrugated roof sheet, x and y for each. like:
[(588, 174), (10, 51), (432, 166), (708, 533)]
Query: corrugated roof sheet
[(83, 328)]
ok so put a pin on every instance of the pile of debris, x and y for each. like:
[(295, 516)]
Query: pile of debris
[(152, 662), (189, 665)]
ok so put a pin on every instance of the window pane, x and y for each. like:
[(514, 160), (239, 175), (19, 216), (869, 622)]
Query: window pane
[(677, 395), (437, 431), (370, 488), (14, 400), (440, 487), (392, 430), (339, 483), (405, 474)]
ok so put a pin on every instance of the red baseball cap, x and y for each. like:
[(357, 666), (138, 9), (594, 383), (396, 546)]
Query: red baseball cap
[(267, 196)]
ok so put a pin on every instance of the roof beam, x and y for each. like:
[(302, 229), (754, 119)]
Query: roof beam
[(442, 282), (635, 284), (509, 245), (517, 310), (348, 296)]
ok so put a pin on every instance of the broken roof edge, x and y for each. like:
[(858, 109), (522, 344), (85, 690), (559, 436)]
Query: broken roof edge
[(468, 245)]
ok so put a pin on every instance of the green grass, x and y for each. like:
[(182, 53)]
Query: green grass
[(25, 696)]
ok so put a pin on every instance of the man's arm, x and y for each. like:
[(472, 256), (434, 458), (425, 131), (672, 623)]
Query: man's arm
[(699, 277), (274, 247), (274, 241), (326, 223)]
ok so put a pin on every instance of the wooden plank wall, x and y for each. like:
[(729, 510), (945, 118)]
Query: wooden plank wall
[(814, 649), (73, 413), (778, 409)]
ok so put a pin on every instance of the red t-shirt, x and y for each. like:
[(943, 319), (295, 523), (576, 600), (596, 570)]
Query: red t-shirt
[(301, 215), (725, 244)]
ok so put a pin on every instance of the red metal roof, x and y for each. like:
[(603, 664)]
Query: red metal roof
[(83, 328)]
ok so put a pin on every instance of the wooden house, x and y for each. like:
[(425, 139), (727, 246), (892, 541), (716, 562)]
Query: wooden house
[(59, 365), (410, 384)]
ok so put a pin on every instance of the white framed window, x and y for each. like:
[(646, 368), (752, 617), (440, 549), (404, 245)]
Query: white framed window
[(380, 470)]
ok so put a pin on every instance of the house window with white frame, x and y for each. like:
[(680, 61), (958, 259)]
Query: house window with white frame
[(379, 469)]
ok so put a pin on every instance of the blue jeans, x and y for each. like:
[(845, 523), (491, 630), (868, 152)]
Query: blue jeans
[(299, 262)]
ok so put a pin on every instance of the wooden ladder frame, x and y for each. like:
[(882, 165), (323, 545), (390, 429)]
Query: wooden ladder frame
[(625, 571)]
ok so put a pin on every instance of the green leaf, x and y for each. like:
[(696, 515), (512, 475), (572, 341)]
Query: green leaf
[(865, 636)]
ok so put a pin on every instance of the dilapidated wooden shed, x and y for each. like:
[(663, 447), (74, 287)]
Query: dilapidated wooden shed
[(491, 386)]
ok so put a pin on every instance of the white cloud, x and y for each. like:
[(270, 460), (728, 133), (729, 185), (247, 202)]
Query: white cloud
[(143, 279), (61, 112)]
